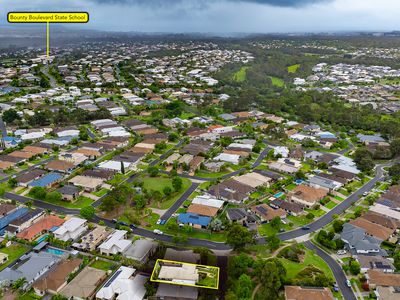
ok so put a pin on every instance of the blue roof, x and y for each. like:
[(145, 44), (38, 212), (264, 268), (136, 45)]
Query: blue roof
[(46, 180), (4, 221), (187, 218)]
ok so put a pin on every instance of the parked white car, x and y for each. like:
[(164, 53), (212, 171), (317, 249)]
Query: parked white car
[(156, 231), (341, 252)]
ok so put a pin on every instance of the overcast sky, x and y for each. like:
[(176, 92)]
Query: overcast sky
[(225, 16)]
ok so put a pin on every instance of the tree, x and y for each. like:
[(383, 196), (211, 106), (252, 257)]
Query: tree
[(244, 287), (355, 267), (396, 258), (238, 236), (276, 223), (18, 284), (122, 167), (177, 183), (239, 264), (53, 197), (88, 212), (12, 182), (38, 192), (338, 225), (395, 147), (58, 297), (153, 171), (271, 274), (273, 242), (363, 159), (167, 191), (11, 115)]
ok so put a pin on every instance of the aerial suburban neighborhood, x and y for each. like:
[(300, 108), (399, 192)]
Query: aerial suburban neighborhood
[(184, 167)]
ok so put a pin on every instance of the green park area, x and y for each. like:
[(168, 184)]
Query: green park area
[(240, 75), (293, 68)]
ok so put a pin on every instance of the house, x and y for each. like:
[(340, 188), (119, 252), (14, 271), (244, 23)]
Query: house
[(30, 266), (69, 192), (228, 158), (381, 220), (123, 285), (378, 278), (291, 208), (71, 229), (380, 263), (43, 225), (208, 201), (141, 250), (283, 167), (84, 285), (24, 221), (6, 208), (26, 178), (306, 196), (11, 215), (267, 213), (92, 239), (194, 220), (99, 173), (358, 242), (56, 279), (47, 180), (254, 179), (115, 243), (176, 292), (378, 231), (87, 183), (202, 210), (240, 215), (386, 211), (61, 166), (324, 183), (307, 293), (195, 163)]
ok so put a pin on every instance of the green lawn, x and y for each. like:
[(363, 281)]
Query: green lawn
[(330, 204), (205, 174), (339, 198), (291, 186), (268, 230), (14, 252), (31, 295), (277, 81), (78, 203), (159, 183), (240, 75), (293, 68), (103, 265), (100, 193), (310, 258)]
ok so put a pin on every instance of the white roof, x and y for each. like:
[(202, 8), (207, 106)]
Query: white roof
[(113, 165), (232, 158), (70, 226), (122, 285), (208, 201), (116, 239), (71, 132), (241, 146), (385, 211)]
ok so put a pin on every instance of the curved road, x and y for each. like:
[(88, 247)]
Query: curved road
[(338, 210), (337, 271)]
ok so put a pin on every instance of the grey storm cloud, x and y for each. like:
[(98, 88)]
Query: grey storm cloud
[(282, 3)]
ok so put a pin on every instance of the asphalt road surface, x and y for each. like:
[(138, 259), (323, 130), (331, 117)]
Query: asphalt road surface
[(339, 209), (337, 271)]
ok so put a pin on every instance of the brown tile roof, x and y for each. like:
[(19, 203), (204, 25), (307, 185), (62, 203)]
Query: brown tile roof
[(35, 150), (60, 165), (308, 193), (381, 220), (267, 213), (376, 277), (307, 293), (202, 210), (4, 165), (88, 152), (370, 228), (238, 152), (44, 224), (22, 154), (5, 208), (55, 279)]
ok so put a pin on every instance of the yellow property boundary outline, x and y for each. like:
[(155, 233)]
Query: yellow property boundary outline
[(184, 284)]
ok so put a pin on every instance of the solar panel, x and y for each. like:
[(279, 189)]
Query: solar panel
[(115, 275)]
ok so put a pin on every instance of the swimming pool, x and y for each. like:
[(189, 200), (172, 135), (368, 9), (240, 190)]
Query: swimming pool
[(278, 195), (42, 238), (57, 252)]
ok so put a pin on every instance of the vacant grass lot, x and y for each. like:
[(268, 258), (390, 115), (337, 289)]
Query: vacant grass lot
[(310, 258), (293, 68), (14, 252), (103, 265), (159, 183), (78, 203), (240, 75), (277, 81)]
